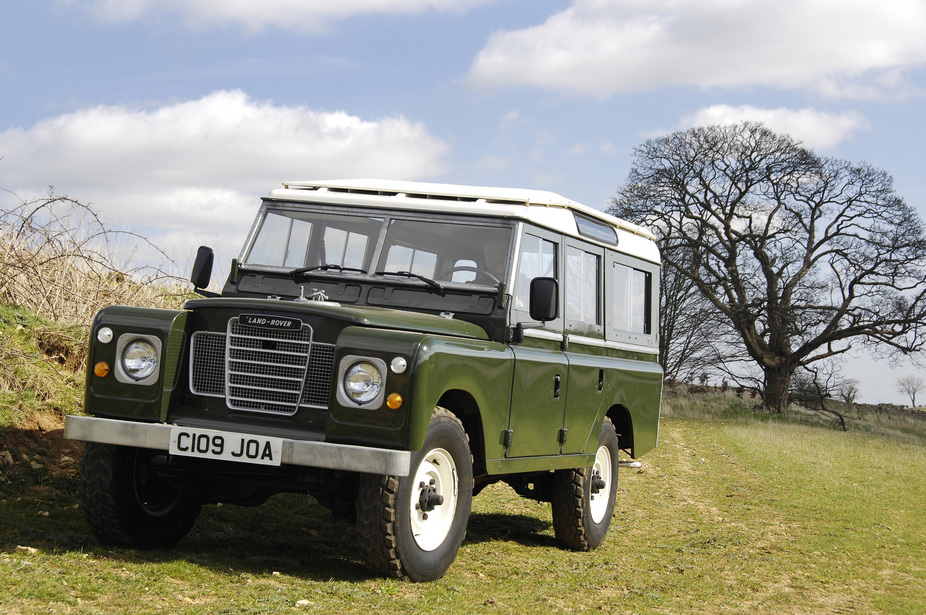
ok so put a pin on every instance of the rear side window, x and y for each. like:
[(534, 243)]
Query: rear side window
[(630, 303), (582, 275)]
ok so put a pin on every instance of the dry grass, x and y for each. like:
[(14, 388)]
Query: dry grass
[(59, 260), (58, 267)]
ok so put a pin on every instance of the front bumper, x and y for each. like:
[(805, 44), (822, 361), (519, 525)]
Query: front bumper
[(295, 452)]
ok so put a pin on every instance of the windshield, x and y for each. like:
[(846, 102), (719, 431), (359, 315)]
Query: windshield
[(439, 250)]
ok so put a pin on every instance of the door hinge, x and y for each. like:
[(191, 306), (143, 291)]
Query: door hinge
[(506, 437), (562, 435)]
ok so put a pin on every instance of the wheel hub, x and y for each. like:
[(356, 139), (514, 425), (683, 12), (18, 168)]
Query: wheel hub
[(429, 497), (598, 483)]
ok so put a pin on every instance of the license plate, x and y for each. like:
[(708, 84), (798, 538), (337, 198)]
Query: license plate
[(224, 445)]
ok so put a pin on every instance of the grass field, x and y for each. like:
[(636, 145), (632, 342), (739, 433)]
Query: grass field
[(734, 512), (728, 515)]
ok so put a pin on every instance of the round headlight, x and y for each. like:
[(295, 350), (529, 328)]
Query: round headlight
[(363, 382), (139, 359)]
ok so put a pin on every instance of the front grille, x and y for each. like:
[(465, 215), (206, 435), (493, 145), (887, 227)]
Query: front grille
[(262, 370)]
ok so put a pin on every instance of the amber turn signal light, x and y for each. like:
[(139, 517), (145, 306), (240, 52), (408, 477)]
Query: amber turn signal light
[(394, 401), (101, 369)]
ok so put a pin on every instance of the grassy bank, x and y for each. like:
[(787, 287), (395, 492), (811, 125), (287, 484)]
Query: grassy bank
[(729, 514)]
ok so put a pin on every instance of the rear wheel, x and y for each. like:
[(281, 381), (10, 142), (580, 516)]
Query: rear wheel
[(583, 499), (411, 527), (127, 503)]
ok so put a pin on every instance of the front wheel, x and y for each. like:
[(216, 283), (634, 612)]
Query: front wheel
[(583, 499), (411, 527), (127, 503)]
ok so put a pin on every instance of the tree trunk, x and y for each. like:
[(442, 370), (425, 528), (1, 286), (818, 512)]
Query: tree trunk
[(777, 390)]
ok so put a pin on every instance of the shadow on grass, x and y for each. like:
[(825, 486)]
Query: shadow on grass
[(522, 529), (289, 534)]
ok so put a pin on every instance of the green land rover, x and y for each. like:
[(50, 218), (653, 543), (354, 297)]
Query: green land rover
[(390, 348)]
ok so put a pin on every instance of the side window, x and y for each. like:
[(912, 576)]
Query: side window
[(537, 259), (630, 307), (405, 258), (582, 279), (298, 245), (345, 248), (467, 273)]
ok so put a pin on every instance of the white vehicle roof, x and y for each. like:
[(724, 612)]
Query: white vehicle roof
[(546, 209)]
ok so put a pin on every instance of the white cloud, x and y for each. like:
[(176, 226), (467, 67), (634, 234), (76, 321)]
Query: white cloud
[(300, 15), (815, 129), (579, 149), (509, 119), (609, 149), (603, 47), (198, 167)]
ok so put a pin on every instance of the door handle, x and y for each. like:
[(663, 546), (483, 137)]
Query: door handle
[(556, 381)]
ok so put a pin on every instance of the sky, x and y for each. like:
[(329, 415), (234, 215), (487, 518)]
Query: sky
[(173, 117)]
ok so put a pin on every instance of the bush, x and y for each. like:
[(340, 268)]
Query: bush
[(58, 259)]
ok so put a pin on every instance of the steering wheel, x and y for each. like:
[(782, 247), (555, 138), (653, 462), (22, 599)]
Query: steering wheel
[(477, 271)]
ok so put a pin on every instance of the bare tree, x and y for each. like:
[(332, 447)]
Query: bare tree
[(848, 391), (689, 329), (910, 386), (818, 384), (801, 255)]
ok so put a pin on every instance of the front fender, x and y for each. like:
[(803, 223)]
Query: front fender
[(110, 397), (435, 365), (482, 369)]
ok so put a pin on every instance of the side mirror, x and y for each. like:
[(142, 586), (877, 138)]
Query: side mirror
[(202, 267), (544, 299)]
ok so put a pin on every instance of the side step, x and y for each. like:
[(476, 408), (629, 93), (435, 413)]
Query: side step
[(629, 464)]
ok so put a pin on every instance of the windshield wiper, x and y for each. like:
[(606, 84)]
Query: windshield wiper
[(432, 285), (304, 270)]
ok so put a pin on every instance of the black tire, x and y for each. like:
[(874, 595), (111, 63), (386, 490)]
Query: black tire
[(411, 527), (583, 499), (127, 504)]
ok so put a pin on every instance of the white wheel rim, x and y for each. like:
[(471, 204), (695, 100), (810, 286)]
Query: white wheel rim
[(598, 502), (437, 475)]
